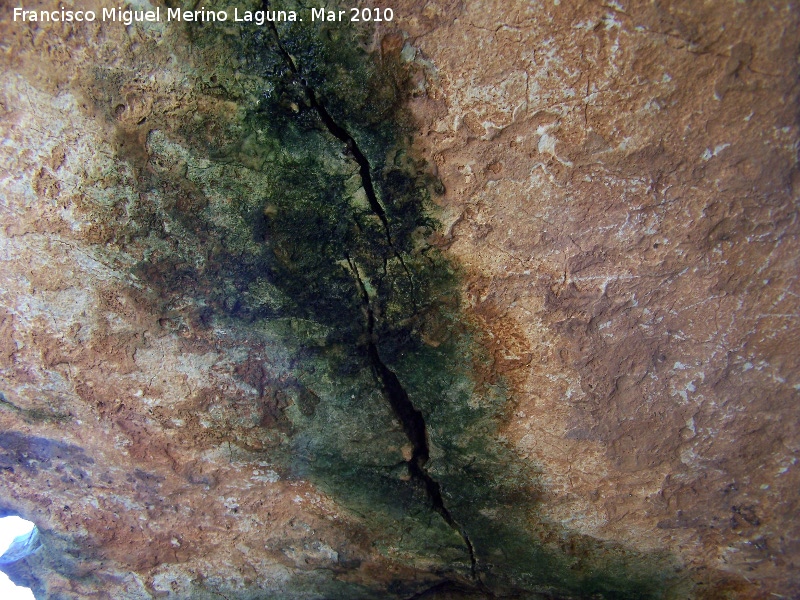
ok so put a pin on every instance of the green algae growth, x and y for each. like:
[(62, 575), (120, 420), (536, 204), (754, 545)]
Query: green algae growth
[(302, 216)]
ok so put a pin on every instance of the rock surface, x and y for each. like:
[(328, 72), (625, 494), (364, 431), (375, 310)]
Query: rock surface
[(623, 184), (602, 344)]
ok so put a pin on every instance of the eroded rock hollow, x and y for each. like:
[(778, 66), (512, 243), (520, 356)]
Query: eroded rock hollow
[(479, 300)]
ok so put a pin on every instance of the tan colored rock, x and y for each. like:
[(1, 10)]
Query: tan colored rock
[(621, 191), (622, 186), (131, 434)]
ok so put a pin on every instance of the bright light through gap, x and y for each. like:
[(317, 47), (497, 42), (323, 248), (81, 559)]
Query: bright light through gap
[(10, 528)]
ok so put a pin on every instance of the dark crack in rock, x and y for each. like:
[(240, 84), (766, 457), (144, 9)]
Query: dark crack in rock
[(281, 311)]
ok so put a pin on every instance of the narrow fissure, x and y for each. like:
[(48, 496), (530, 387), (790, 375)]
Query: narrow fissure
[(341, 134), (412, 421), (410, 417)]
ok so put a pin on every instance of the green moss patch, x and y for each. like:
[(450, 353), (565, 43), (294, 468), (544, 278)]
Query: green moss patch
[(261, 215)]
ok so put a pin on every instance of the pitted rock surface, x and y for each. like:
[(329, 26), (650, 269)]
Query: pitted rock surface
[(618, 198)]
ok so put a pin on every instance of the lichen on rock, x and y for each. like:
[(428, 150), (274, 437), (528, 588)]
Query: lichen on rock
[(277, 329)]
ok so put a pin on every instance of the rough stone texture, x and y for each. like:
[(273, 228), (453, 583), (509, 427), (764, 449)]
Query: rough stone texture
[(621, 196), (135, 433), (622, 186)]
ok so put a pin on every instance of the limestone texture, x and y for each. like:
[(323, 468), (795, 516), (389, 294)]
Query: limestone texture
[(497, 299)]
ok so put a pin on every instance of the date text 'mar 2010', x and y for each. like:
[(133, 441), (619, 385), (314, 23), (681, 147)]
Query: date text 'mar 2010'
[(364, 14)]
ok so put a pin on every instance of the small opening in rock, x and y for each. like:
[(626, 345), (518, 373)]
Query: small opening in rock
[(12, 528)]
